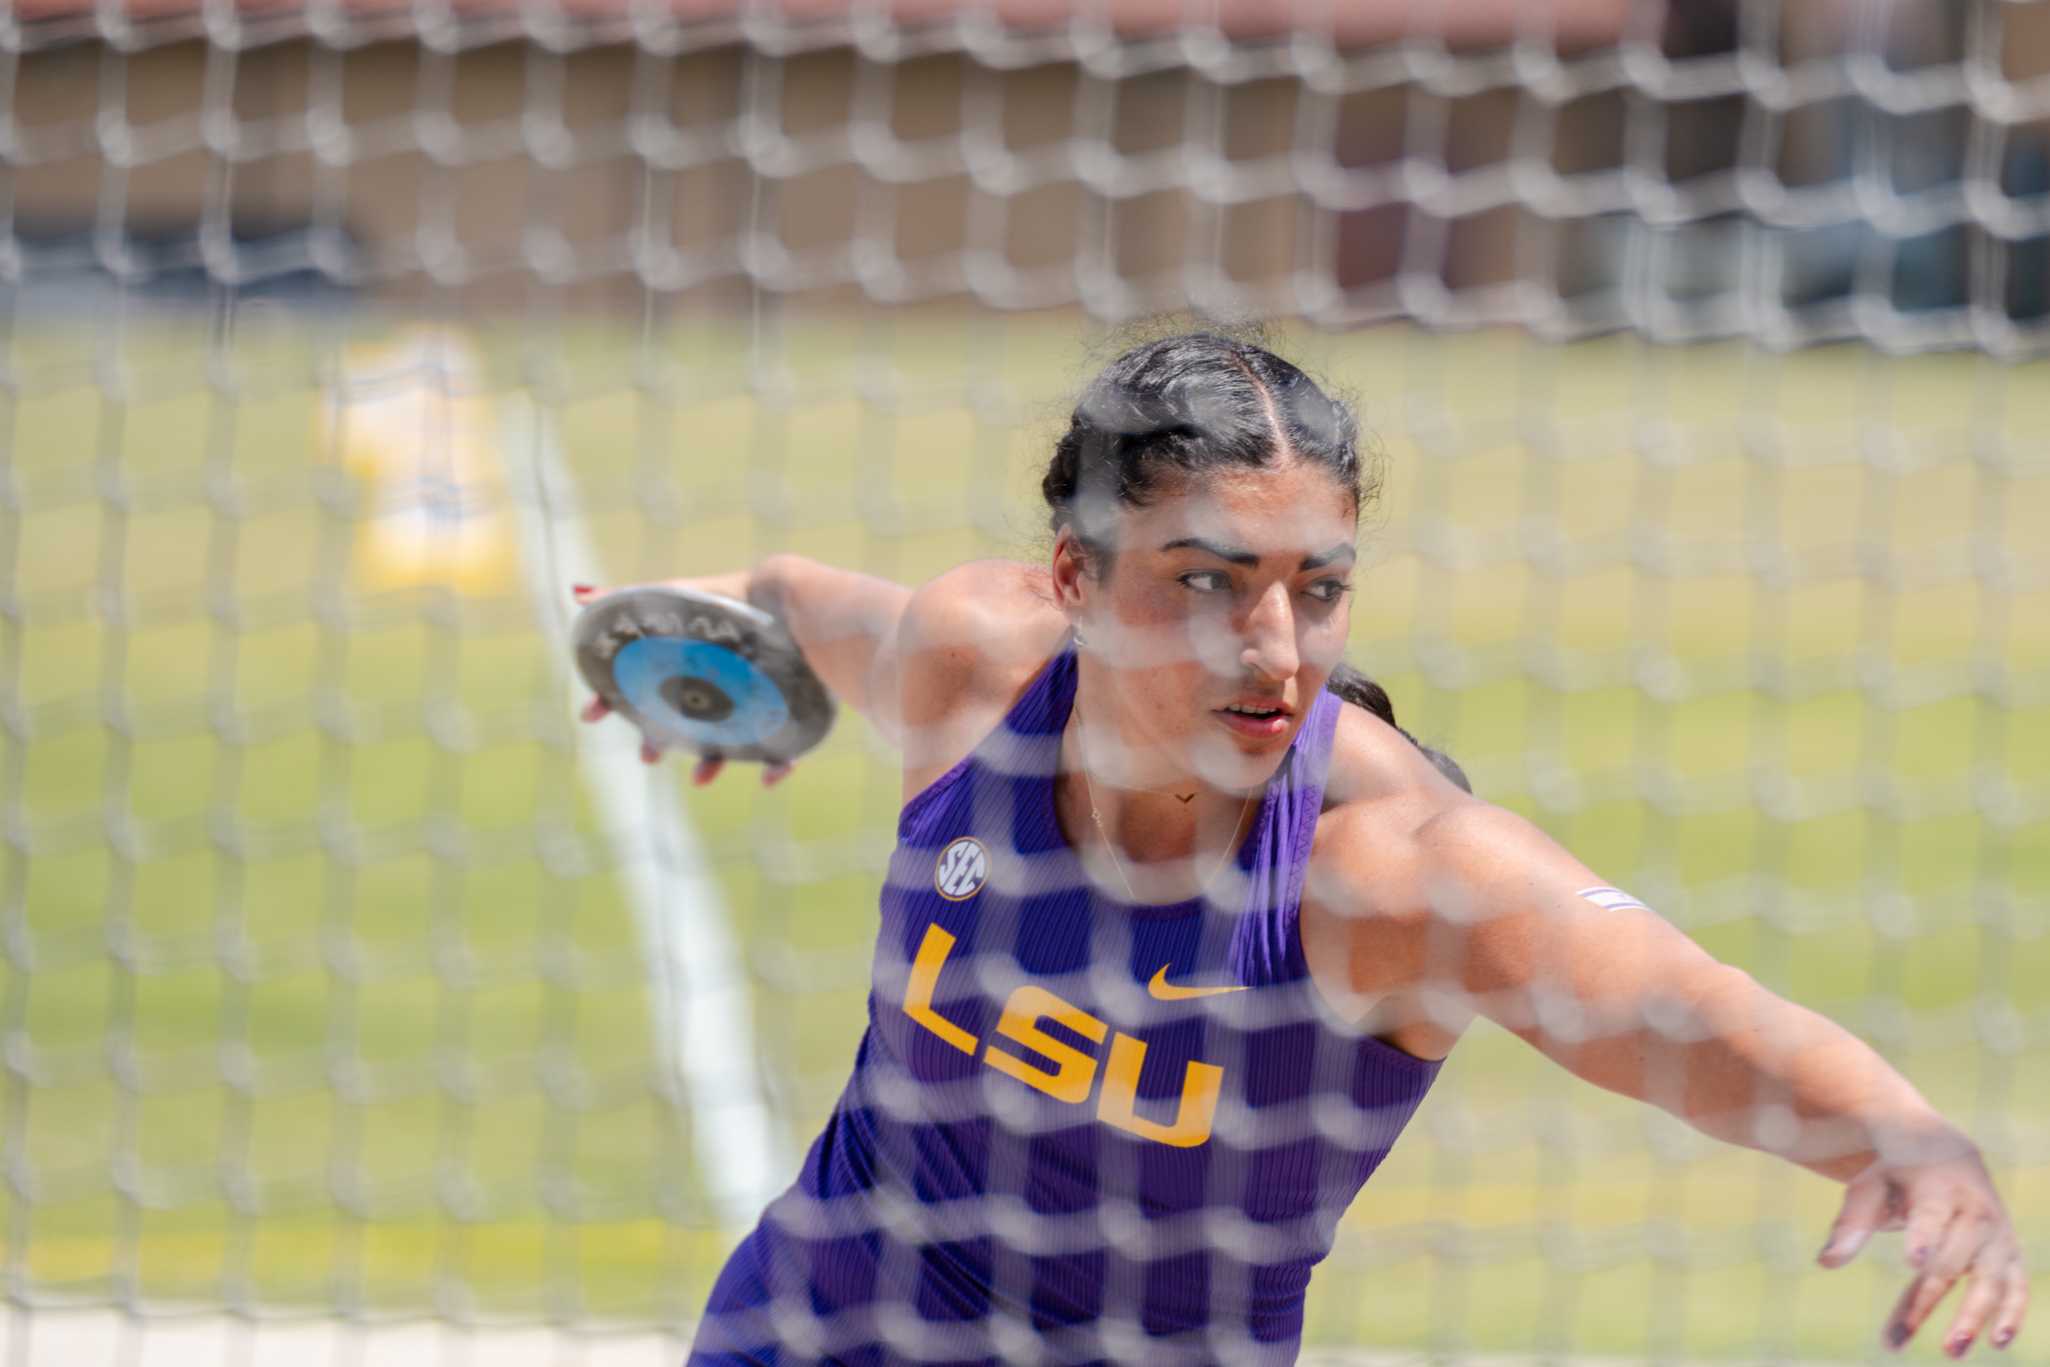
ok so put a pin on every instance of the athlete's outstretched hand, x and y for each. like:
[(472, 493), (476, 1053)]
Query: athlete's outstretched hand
[(1957, 1230), (732, 586)]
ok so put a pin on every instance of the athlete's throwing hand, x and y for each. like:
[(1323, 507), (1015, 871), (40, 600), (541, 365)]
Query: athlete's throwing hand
[(1957, 1229), (597, 709)]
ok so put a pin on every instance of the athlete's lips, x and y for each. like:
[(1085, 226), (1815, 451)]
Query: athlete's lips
[(1257, 727)]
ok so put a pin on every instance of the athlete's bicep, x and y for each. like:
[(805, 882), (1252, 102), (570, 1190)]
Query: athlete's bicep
[(1537, 942), (842, 620), (882, 649)]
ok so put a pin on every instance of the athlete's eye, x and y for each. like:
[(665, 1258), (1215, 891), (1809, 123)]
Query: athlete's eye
[(1205, 581), (1328, 590)]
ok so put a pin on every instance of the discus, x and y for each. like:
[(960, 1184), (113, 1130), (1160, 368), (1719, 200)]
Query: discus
[(702, 672)]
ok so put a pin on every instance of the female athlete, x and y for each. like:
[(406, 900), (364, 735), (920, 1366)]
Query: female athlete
[(1175, 939)]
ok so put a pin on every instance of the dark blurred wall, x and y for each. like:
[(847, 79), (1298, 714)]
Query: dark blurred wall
[(482, 177)]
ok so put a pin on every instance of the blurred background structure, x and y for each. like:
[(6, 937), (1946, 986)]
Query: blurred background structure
[(1463, 163), (347, 989)]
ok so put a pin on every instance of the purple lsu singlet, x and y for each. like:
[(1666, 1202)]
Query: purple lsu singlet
[(1079, 1130)]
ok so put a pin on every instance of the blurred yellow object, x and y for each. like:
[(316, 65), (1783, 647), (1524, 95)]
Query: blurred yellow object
[(411, 419)]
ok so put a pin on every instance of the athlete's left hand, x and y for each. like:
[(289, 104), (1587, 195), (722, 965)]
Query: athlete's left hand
[(1957, 1229)]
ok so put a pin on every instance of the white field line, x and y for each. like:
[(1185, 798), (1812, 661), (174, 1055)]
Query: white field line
[(108, 1338), (165, 1337), (703, 1007)]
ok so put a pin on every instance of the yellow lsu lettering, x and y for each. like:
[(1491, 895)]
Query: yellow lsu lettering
[(925, 975), (1074, 1070)]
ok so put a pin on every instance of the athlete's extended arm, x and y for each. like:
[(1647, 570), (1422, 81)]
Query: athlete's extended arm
[(840, 619), (844, 622), (896, 655), (1621, 997)]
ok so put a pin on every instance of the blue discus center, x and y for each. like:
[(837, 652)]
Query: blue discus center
[(759, 708)]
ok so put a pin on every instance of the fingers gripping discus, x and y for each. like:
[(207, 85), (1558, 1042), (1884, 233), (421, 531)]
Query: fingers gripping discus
[(702, 672)]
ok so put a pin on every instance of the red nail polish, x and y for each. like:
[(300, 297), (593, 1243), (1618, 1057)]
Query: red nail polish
[(1959, 1346), (579, 588)]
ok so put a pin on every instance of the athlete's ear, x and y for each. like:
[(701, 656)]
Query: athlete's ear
[(1070, 569)]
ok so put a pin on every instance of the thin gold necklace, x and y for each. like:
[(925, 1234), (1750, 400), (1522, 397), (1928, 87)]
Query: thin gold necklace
[(1230, 846)]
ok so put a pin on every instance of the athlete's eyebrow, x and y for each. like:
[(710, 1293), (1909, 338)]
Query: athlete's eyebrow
[(1234, 555), (1197, 543), (1342, 551)]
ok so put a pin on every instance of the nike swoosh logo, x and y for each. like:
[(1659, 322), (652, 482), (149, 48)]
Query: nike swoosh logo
[(1166, 991)]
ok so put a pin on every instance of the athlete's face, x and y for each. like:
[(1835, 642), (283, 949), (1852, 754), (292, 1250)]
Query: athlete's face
[(1233, 590)]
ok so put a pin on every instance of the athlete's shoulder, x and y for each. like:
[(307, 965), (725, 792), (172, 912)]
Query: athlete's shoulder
[(969, 642), (1371, 760), (976, 628), (1371, 855), (1366, 910)]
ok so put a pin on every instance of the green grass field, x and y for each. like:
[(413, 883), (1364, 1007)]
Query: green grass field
[(318, 989)]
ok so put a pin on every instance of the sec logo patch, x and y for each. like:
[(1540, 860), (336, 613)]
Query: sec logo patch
[(961, 870)]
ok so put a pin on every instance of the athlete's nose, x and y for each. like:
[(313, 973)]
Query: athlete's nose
[(1270, 649)]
